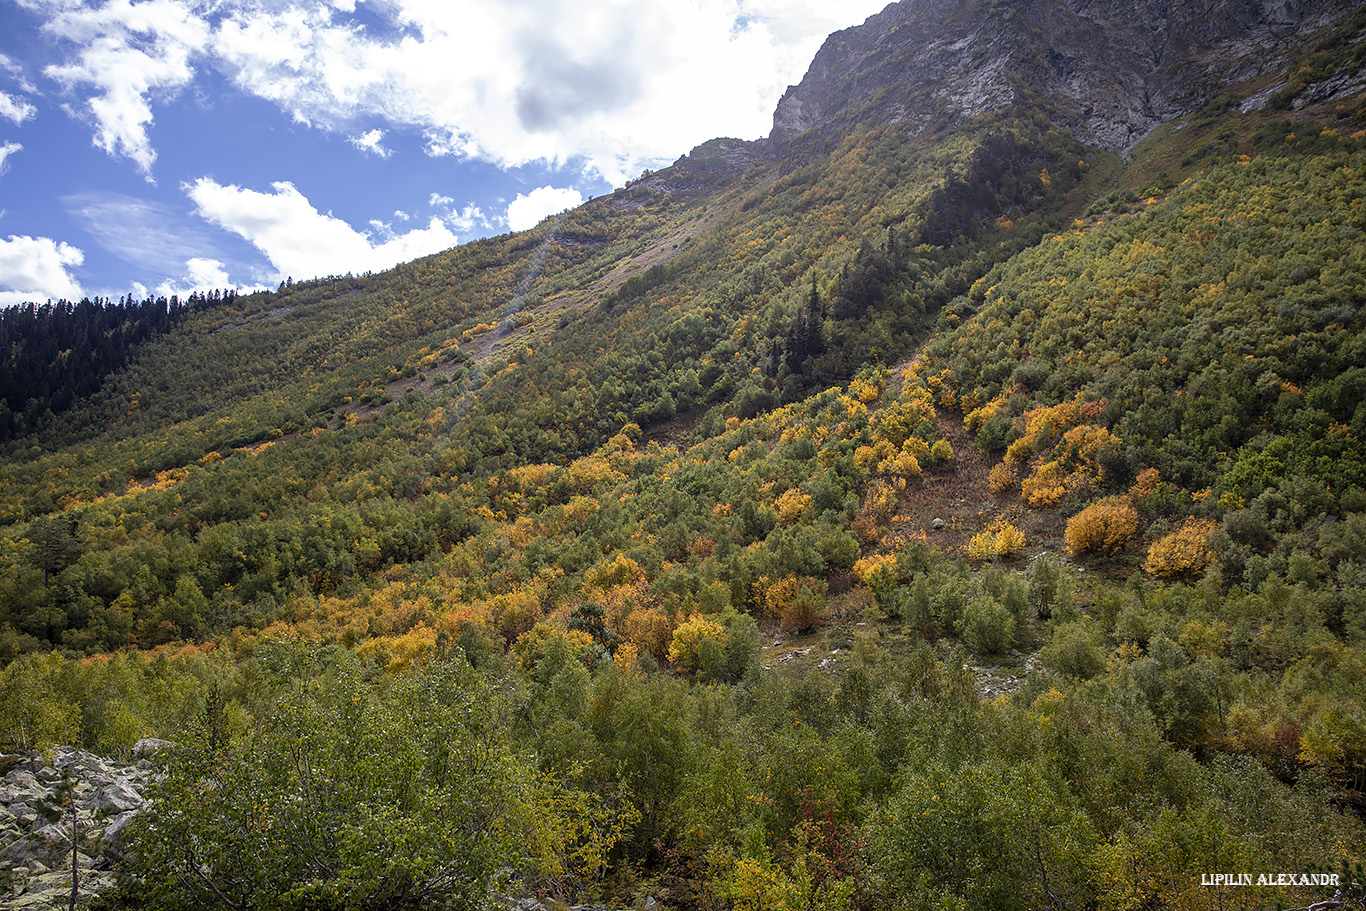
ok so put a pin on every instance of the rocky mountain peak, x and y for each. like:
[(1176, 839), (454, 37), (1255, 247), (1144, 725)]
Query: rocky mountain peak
[(1110, 71)]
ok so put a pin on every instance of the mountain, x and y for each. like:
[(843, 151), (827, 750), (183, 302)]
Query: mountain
[(1012, 388), (1106, 73)]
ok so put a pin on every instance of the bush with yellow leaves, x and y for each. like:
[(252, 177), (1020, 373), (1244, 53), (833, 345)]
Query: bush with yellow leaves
[(1001, 539), (1046, 485), (792, 506), (697, 641), (797, 602), (1103, 527), (1003, 476), (1185, 552), (878, 571)]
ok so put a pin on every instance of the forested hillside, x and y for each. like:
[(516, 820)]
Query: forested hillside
[(965, 517), (61, 353)]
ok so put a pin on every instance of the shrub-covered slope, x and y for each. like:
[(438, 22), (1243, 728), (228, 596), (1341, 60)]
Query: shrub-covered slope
[(970, 519)]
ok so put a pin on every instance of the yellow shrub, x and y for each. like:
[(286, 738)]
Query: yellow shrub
[(898, 421), (690, 641), (1001, 539), (591, 472), (1045, 486), (1003, 477), (477, 330), (1103, 527), (882, 498), (915, 447), (626, 657), (792, 599), (877, 571), (649, 630), (1185, 552), (904, 465), (791, 506), (620, 570), (1092, 446), (975, 418), (867, 386), (530, 646)]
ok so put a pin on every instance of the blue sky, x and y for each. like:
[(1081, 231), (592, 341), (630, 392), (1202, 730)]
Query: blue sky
[(162, 146)]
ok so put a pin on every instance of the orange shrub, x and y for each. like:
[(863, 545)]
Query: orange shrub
[(1045, 486), (804, 612), (649, 630), (1003, 476), (1146, 483), (1103, 527), (1185, 552)]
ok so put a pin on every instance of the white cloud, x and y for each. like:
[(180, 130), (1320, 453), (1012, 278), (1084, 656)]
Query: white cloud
[(528, 209), (6, 151), (36, 269), (468, 219), (201, 274), (15, 110), (463, 220), (141, 232), (302, 242), (612, 86), (127, 54), (371, 141)]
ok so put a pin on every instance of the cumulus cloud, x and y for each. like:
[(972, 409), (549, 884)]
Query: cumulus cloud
[(126, 55), (302, 242), (613, 85), (467, 219), (528, 209), (6, 151), (37, 269), (463, 220), (371, 141), (15, 110), (201, 274)]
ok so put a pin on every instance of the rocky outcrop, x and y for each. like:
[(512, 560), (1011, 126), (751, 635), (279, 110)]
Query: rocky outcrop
[(1107, 72), (36, 797)]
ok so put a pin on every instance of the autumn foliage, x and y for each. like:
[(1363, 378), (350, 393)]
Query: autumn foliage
[(1104, 527), (1184, 553), (1000, 539)]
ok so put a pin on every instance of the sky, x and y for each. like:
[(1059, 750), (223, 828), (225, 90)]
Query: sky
[(158, 147)]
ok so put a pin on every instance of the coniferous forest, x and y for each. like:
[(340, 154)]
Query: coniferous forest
[(968, 520)]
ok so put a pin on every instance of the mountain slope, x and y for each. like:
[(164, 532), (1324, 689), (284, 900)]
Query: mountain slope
[(1106, 73), (565, 474)]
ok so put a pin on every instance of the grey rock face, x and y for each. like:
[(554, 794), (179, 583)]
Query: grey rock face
[(1110, 71), (149, 747), (36, 798)]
